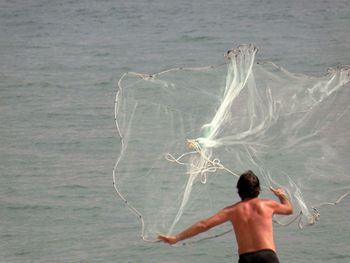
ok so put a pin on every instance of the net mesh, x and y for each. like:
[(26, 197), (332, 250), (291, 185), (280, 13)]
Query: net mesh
[(187, 133)]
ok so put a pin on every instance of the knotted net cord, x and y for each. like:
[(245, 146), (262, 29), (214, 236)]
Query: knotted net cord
[(199, 161)]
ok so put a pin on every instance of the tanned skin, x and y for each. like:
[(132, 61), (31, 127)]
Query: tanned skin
[(251, 219)]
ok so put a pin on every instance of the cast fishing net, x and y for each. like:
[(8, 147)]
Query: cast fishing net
[(186, 134)]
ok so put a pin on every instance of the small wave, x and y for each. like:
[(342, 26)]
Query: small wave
[(102, 54), (187, 38), (71, 186), (337, 257), (22, 253), (92, 208), (29, 207), (7, 236)]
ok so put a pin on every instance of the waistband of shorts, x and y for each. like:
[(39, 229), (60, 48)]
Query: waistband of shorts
[(257, 251)]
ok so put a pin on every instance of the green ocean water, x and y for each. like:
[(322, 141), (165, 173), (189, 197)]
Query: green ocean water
[(59, 66)]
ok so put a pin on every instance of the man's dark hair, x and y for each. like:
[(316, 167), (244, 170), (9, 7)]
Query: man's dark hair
[(248, 185)]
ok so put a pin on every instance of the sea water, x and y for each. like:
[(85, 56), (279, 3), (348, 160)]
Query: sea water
[(59, 65)]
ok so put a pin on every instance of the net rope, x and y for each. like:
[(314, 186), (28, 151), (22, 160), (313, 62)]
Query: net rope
[(204, 163)]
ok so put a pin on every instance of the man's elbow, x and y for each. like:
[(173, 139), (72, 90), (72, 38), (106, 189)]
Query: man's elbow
[(290, 210)]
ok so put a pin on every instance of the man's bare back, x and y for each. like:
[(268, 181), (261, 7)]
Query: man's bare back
[(252, 222), (251, 218)]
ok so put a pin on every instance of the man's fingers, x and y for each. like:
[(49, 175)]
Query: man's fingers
[(166, 239), (274, 189), (277, 191)]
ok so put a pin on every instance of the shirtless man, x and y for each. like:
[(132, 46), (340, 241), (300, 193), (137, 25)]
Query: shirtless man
[(251, 219)]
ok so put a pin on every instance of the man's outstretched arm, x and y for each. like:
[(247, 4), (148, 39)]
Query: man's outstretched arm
[(197, 228)]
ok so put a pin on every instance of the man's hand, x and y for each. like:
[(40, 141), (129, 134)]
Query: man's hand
[(168, 239), (278, 192)]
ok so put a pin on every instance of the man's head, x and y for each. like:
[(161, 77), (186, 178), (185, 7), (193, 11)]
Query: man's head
[(248, 185)]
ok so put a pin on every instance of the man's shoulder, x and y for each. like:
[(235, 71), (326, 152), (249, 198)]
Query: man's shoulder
[(265, 201), (255, 200), (232, 207)]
